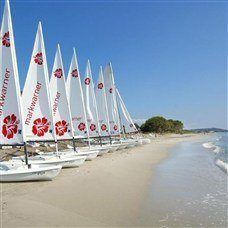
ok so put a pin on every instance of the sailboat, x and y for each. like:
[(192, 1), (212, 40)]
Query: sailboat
[(91, 110), (112, 108), (11, 118), (77, 107), (102, 111), (128, 126), (61, 110), (38, 116)]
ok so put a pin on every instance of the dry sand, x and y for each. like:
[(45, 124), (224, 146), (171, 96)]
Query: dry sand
[(108, 191)]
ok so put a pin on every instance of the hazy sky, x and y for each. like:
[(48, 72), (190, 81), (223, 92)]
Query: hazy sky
[(169, 58)]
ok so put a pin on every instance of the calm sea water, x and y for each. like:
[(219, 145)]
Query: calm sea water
[(188, 189)]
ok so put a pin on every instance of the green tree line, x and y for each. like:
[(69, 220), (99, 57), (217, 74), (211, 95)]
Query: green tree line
[(159, 124)]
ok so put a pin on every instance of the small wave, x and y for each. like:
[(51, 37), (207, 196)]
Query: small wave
[(217, 149), (219, 138), (222, 165), (208, 145)]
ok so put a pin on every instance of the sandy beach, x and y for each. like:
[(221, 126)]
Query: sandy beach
[(108, 191)]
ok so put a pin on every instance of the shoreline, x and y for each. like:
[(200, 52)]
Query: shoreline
[(108, 191), (188, 189)]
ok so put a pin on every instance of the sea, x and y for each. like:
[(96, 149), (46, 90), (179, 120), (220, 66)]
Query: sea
[(218, 144), (189, 187)]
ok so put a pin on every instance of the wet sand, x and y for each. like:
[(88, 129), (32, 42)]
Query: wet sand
[(111, 190), (187, 190)]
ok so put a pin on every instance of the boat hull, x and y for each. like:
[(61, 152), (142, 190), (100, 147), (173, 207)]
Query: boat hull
[(113, 148), (122, 146), (64, 161), (145, 141), (131, 145), (35, 173), (90, 155), (103, 151), (139, 142)]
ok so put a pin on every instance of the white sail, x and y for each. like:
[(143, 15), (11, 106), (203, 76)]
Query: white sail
[(36, 99), (111, 101), (59, 101), (76, 100), (90, 103), (102, 105), (10, 106), (126, 120)]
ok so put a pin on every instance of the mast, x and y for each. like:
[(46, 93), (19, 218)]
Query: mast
[(60, 107), (129, 126), (115, 107), (11, 117), (96, 111), (102, 109), (121, 123), (38, 117), (111, 101), (76, 100), (90, 103)]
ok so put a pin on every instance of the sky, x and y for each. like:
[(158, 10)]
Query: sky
[(169, 57)]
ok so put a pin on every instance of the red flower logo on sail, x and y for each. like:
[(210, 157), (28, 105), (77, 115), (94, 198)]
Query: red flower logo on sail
[(58, 73), (74, 73), (103, 127), (87, 81), (38, 58), (6, 40), (61, 127), (110, 90), (115, 127), (40, 127), (92, 127), (81, 127), (100, 86), (10, 126)]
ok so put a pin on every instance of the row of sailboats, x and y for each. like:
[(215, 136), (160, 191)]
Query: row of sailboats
[(56, 110)]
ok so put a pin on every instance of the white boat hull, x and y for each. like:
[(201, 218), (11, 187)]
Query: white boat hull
[(105, 148), (90, 155), (113, 148), (103, 151), (122, 146), (131, 144), (139, 142), (145, 141), (64, 161), (23, 173)]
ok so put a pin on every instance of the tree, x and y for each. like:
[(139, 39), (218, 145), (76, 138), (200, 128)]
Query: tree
[(175, 126), (157, 124)]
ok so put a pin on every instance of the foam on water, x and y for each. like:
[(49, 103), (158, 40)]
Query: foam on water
[(222, 165), (217, 149), (208, 145), (219, 146)]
